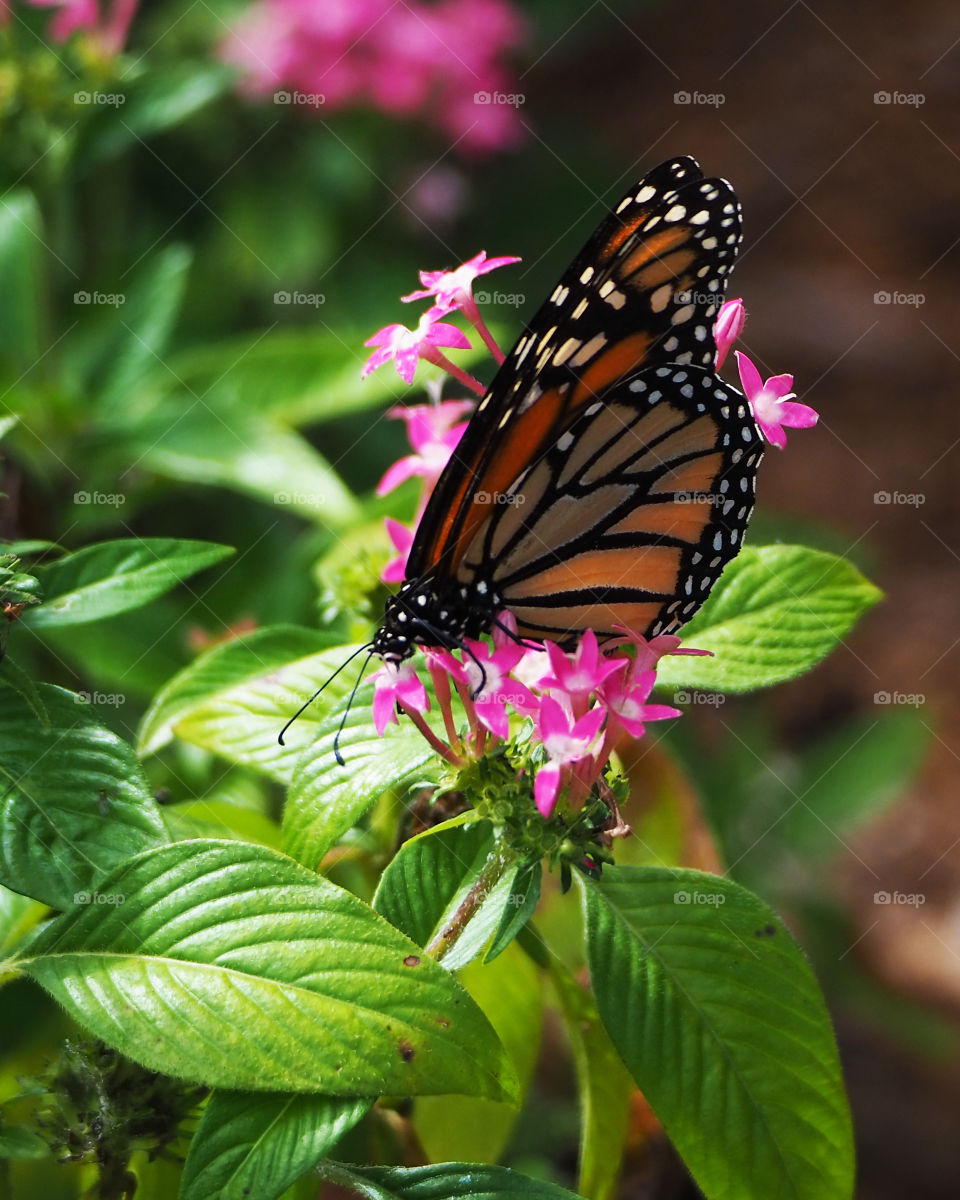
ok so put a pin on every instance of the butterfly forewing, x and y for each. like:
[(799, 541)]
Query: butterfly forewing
[(644, 290)]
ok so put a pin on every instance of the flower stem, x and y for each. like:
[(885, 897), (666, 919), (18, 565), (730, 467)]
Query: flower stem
[(496, 866), (445, 751), (472, 313), (439, 359)]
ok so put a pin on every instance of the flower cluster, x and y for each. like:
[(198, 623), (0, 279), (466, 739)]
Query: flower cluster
[(441, 61), (109, 30), (581, 703)]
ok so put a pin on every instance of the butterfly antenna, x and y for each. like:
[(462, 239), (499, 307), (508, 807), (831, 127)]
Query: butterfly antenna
[(346, 712), (526, 643), (303, 707)]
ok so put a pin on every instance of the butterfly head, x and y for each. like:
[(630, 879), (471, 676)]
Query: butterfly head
[(430, 612)]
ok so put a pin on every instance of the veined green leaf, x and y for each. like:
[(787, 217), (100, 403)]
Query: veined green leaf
[(444, 1181), (230, 964), (251, 1145), (111, 577), (775, 612), (717, 1015), (74, 803)]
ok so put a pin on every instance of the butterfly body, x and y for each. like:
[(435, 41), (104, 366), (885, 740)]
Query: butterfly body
[(608, 474)]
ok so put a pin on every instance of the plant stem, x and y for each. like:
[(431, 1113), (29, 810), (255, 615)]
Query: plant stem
[(501, 858)]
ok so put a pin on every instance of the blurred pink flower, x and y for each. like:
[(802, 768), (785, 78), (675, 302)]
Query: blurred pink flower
[(433, 435), (396, 569), (434, 61), (406, 346), (728, 327), (772, 402), (75, 16)]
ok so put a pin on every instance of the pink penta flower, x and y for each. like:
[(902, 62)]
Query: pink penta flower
[(486, 672), (728, 327), (406, 346), (566, 742), (454, 289), (397, 683), (396, 569), (625, 697), (772, 403), (434, 433), (577, 675), (74, 15), (649, 651)]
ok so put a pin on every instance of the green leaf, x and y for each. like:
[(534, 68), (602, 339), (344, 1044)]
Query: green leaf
[(114, 354), (111, 577), (16, 678), (457, 1128), (717, 1015), (21, 257), (221, 443), (219, 818), (73, 802), (326, 799), (775, 612), (158, 99), (18, 915), (230, 964), (428, 879), (604, 1084), (242, 683), (521, 904), (19, 1142), (320, 373), (444, 1181), (249, 1145)]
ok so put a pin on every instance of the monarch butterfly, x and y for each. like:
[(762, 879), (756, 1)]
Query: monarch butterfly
[(608, 474)]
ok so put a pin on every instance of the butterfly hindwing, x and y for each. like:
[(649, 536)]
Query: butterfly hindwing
[(629, 517), (644, 290)]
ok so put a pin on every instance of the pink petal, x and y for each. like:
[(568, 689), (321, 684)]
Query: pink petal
[(402, 470), (779, 386), (545, 789), (798, 416), (749, 375)]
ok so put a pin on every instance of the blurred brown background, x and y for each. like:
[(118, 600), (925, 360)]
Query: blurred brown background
[(840, 127)]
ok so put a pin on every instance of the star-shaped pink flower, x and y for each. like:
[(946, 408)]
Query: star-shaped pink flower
[(454, 289), (772, 403), (650, 651), (489, 670), (728, 327), (566, 742), (577, 675), (625, 698), (406, 346), (434, 433), (397, 684)]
